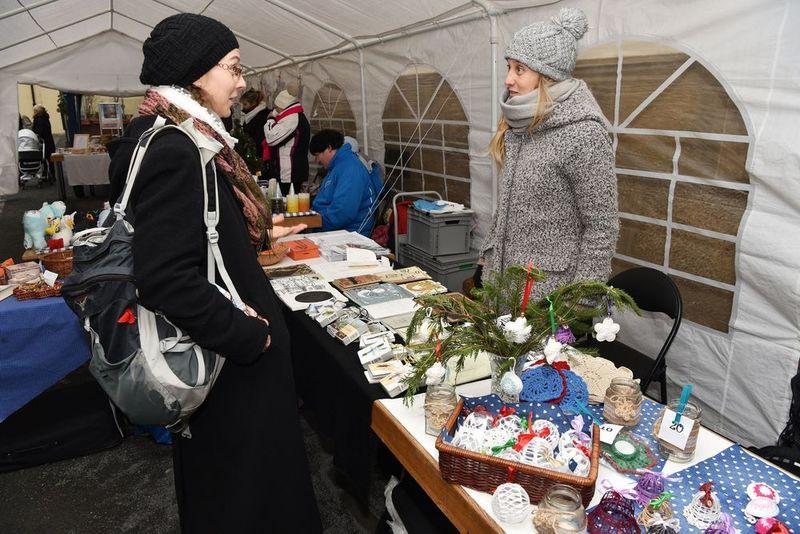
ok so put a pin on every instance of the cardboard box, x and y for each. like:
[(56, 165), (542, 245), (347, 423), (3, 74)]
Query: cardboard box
[(302, 249)]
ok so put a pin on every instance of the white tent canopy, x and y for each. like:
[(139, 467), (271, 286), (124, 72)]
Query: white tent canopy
[(742, 50)]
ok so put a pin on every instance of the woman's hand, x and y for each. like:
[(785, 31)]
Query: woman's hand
[(250, 312), (283, 231)]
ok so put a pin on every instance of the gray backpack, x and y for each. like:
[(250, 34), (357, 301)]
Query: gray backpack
[(148, 366)]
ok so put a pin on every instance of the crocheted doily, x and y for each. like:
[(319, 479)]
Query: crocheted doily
[(541, 384), (597, 372)]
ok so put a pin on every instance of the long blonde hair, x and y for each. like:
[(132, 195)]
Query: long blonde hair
[(497, 146)]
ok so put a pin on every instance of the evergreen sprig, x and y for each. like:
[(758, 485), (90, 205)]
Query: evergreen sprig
[(476, 329)]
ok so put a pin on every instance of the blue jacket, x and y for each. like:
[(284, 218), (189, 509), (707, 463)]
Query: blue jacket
[(347, 193)]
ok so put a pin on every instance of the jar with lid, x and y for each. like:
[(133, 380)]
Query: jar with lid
[(561, 511)]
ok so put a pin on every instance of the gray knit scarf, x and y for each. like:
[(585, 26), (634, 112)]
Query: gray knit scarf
[(519, 110)]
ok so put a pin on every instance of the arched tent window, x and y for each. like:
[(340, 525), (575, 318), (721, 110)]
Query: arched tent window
[(426, 133), (332, 110), (681, 149)]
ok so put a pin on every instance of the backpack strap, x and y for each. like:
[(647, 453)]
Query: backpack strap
[(211, 212)]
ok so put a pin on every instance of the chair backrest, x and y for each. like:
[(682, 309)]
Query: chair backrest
[(651, 289)]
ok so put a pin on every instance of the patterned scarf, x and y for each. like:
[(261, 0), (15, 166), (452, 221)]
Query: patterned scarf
[(254, 205)]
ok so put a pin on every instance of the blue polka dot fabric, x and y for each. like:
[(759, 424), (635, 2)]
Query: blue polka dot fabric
[(732, 471)]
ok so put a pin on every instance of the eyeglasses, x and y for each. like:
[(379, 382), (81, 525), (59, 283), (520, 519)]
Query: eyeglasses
[(235, 70)]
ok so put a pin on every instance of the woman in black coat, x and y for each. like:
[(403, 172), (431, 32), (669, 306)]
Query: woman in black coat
[(241, 467), (42, 128)]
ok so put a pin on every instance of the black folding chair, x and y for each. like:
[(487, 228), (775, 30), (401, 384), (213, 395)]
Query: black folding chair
[(653, 291)]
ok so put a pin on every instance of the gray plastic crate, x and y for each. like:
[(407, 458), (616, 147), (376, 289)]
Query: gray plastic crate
[(440, 233), (450, 271)]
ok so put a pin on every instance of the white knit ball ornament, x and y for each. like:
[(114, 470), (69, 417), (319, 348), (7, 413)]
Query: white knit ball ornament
[(511, 384), (511, 503)]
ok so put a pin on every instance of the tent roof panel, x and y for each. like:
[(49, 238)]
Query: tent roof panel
[(58, 14), (267, 23), (82, 30), (144, 11), (17, 28), (130, 27), (359, 17), (23, 51)]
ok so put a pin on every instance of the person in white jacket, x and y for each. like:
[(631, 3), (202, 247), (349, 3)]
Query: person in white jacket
[(287, 134)]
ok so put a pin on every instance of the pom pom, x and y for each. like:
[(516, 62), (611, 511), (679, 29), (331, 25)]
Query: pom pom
[(573, 20)]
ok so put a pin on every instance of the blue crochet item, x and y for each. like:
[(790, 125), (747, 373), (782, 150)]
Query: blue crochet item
[(540, 384), (577, 394)]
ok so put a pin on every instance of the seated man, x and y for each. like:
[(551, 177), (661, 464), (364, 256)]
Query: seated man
[(349, 192)]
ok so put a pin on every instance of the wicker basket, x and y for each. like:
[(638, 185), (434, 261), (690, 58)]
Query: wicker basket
[(485, 473), (273, 255), (59, 262), (38, 290)]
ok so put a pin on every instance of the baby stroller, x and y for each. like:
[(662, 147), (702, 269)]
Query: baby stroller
[(32, 167)]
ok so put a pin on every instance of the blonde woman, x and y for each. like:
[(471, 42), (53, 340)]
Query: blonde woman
[(558, 195)]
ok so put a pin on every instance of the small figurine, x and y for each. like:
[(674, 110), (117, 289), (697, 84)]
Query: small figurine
[(34, 224), (62, 228)]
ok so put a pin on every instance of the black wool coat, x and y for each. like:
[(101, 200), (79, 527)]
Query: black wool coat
[(244, 468)]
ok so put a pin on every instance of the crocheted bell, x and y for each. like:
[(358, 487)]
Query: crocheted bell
[(704, 510), (613, 514), (511, 503), (650, 486), (763, 501)]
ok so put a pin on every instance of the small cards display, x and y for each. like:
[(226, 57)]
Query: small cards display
[(676, 434), (377, 294), (404, 276), (423, 288), (348, 329)]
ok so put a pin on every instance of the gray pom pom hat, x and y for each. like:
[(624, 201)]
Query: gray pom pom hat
[(550, 47)]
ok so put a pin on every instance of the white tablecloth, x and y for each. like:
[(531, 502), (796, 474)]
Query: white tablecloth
[(86, 169), (413, 419)]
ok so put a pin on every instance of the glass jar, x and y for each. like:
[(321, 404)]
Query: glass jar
[(560, 512), (623, 402), (671, 452), (440, 401)]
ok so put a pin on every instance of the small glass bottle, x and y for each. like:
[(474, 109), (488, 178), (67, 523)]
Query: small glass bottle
[(623, 402), (671, 452), (561, 511), (440, 401)]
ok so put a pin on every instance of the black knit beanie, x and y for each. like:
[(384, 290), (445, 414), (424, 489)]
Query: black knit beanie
[(183, 47)]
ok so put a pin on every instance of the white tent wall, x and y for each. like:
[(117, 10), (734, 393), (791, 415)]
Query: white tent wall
[(114, 60), (742, 376)]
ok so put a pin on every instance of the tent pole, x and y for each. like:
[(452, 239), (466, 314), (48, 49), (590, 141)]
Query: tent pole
[(493, 63), (363, 99)]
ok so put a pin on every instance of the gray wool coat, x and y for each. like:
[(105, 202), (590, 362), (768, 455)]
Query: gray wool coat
[(558, 198)]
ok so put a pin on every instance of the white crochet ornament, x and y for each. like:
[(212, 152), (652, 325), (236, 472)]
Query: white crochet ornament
[(575, 461), (537, 453), (763, 501), (471, 439), (552, 351), (511, 503), (435, 374), (477, 420), (497, 437), (517, 331), (510, 384), (701, 516), (511, 455), (607, 330), (552, 437)]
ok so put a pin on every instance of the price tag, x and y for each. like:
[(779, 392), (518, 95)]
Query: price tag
[(49, 278), (676, 434), (608, 432)]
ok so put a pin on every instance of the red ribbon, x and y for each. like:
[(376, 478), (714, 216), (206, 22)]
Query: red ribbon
[(524, 439), (706, 500), (528, 286), (505, 411)]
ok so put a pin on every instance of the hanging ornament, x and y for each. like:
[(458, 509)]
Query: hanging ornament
[(564, 335), (659, 525), (510, 384), (511, 503), (517, 331), (552, 351), (606, 330), (435, 374), (659, 506), (723, 525)]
